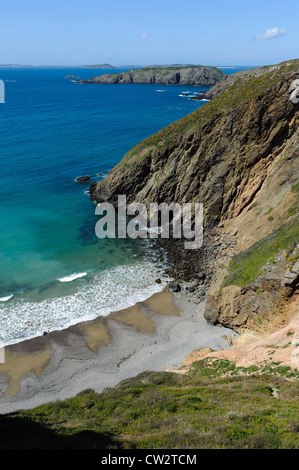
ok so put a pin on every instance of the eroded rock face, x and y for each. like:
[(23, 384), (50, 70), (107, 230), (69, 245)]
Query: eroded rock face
[(241, 164), (222, 164), (257, 307), (291, 276)]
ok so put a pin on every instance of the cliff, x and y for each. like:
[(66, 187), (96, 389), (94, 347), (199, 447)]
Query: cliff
[(173, 75), (238, 155)]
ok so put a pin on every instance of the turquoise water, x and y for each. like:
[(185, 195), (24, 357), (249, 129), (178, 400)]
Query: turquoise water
[(53, 270)]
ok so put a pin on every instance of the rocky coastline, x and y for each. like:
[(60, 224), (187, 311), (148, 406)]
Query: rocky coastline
[(238, 155), (192, 76), (230, 155)]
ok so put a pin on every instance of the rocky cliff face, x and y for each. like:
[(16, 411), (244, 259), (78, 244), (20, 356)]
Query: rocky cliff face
[(201, 76), (238, 155)]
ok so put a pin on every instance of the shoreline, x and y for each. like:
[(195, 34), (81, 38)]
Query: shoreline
[(155, 334), (103, 293), (139, 296)]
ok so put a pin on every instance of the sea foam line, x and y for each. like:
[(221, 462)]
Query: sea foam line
[(111, 290), (5, 299), (72, 277)]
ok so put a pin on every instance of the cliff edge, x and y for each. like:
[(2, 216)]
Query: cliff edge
[(238, 155)]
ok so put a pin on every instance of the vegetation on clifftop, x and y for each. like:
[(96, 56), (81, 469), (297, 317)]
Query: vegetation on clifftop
[(170, 75), (216, 405), (238, 94)]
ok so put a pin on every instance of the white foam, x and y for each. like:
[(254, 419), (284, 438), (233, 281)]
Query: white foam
[(72, 277), (110, 290), (5, 299)]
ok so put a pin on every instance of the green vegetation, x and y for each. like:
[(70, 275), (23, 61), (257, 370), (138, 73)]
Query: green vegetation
[(247, 265), (165, 70), (219, 368), (238, 94), (269, 211), (216, 405), (295, 188)]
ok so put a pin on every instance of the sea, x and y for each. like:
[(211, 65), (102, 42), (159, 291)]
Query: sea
[(54, 271)]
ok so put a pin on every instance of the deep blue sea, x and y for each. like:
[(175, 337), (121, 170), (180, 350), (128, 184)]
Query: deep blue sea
[(54, 272)]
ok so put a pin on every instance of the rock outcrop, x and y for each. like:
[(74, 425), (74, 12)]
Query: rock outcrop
[(189, 75), (82, 179), (100, 66), (238, 155)]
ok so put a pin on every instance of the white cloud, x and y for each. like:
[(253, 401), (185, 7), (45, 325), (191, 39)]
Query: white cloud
[(270, 34), (143, 37)]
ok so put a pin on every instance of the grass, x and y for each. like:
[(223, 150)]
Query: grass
[(216, 405), (295, 188), (247, 265)]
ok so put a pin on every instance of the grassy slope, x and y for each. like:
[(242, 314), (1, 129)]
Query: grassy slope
[(247, 266), (214, 406)]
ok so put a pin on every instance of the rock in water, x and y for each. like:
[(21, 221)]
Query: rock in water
[(82, 179)]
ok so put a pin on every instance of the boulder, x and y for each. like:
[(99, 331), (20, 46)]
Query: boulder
[(82, 179), (291, 276), (174, 287)]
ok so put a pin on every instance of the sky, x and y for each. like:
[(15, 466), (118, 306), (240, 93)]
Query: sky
[(131, 32)]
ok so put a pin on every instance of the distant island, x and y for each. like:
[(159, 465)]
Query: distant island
[(164, 75), (10, 65), (100, 66)]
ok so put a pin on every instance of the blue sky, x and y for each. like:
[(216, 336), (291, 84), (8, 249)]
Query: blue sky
[(72, 32)]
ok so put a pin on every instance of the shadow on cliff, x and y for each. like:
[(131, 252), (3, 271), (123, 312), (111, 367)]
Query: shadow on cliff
[(21, 433)]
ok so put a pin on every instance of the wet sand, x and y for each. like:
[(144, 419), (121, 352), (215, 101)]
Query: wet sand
[(156, 334)]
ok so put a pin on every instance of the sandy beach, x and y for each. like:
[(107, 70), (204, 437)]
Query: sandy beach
[(156, 334)]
